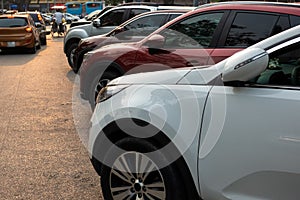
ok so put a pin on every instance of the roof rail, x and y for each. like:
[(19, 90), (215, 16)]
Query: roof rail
[(139, 3), (250, 3)]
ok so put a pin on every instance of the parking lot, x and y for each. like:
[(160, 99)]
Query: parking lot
[(42, 156)]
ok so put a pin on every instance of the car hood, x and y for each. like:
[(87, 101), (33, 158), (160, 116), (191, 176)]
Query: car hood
[(115, 47), (201, 75)]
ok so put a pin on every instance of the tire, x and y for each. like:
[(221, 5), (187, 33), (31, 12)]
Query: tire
[(71, 48), (43, 41), (97, 84), (33, 49), (75, 69), (166, 182)]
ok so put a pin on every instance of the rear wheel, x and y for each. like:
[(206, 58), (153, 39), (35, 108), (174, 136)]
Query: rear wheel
[(43, 41), (135, 175), (33, 49)]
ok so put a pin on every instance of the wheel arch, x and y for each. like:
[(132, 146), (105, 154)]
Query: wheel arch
[(114, 133), (98, 68)]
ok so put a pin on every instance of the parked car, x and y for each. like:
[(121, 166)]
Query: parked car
[(90, 17), (18, 32), (206, 35), (39, 22), (134, 29), (103, 24), (71, 18), (228, 131), (47, 19)]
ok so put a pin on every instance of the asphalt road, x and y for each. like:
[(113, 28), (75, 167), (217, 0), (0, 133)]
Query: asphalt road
[(41, 153)]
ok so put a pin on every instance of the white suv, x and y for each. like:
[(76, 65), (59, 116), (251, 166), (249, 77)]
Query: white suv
[(228, 131)]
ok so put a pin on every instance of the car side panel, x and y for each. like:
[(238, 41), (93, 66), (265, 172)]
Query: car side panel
[(250, 136)]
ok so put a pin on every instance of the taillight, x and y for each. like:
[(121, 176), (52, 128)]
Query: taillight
[(40, 17), (29, 29)]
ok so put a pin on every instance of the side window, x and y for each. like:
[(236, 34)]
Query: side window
[(134, 12), (295, 20), (145, 25), (112, 18), (250, 28), (283, 68), (281, 25), (195, 32), (173, 16)]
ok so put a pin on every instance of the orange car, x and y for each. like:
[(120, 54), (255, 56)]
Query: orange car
[(18, 32)]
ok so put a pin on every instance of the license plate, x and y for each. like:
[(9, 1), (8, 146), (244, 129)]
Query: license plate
[(11, 44)]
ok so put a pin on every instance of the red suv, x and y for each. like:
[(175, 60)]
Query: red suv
[(204, 36)]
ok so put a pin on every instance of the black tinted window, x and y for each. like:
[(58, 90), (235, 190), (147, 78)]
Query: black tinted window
[(113, 18), (195, 32), (250, 28), (281, 25), (295, 20), (145, 25), (14, 22), (173, 16)]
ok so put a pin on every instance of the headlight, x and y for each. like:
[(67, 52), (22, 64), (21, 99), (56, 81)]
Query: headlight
[(108, 91)]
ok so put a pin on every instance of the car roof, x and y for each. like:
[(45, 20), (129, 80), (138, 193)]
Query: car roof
[(30, 12), (133, 6), (272, 7), (249, 3), (14, 15)]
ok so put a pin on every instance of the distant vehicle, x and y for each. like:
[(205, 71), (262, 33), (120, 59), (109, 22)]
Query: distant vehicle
[(40, 24), (89, 7), (71, 18), (47, 18), (81, 9), (19, 32), (74, 8)]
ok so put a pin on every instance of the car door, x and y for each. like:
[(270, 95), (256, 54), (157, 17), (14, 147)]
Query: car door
[(188, 42), (243, 30), (250, 140)]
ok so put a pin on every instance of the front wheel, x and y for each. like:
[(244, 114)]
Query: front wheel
[(135, 175), (97, 84), (70, 53)]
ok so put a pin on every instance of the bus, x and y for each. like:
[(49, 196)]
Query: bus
[(74, 8), (92, 6)]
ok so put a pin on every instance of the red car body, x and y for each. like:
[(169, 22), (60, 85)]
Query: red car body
[(150, 53)]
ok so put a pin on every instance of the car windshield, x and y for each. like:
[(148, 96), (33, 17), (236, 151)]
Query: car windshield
[(12, 22)]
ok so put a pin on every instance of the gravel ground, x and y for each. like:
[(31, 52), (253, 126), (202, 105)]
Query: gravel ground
[(42, 156)]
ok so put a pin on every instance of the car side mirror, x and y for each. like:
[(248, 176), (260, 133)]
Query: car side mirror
[(155, 41), (96, 23), (245, 65)]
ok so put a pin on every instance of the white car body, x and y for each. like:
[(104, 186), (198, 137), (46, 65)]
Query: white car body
[(238, 142)]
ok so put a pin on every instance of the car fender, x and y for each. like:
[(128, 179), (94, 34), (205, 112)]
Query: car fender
[(74, 34), (169, 115)]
